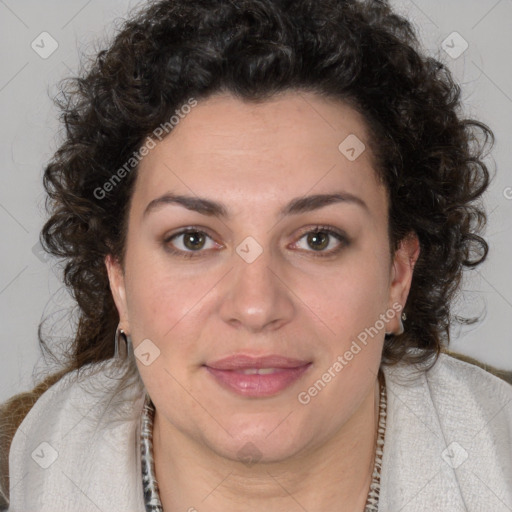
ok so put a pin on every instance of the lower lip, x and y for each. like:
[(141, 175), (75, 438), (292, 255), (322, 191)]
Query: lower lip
[(256, 385)]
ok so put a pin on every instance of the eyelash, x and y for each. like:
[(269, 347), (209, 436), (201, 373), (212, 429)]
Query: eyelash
[(339, 235)]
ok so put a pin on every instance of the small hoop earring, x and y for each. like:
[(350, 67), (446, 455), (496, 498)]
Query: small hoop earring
[(401, 329), (122, 344)]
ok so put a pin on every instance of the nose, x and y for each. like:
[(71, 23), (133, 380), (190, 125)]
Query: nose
[(255, 295)]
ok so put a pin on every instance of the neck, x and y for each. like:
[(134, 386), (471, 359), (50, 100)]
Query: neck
[(333, 476)]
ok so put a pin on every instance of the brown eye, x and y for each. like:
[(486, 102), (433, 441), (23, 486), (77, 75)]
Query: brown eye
[(325, 241), (194, 240), (318, 240), (189, 242)]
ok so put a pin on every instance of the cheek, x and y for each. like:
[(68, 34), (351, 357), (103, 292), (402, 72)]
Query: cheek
[(350, 302), (154, 298), (354, 294), (166, 304), (157, 303), (161, 310)]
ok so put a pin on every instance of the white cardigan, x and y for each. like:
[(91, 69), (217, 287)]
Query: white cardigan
[(448, 444)]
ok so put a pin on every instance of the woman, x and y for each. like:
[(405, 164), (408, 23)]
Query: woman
[(265, 208)]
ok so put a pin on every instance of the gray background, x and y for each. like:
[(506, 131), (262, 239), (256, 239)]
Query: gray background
[(30, 133)]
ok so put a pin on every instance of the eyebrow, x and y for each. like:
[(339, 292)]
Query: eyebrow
[(216, 209)]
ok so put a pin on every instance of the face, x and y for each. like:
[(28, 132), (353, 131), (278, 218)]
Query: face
[(285, 254)]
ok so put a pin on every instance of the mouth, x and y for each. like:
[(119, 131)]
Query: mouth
[(257, 376)]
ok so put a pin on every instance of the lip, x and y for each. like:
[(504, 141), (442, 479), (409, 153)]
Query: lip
[(227, 373), (242, 361)]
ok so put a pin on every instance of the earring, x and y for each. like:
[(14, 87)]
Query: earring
[(122, 344), (401, 328)]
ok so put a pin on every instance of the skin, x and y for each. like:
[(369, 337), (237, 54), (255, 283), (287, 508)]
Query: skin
[(255, 158)]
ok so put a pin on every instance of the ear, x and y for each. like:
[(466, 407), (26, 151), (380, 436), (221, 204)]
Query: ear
[(118, 289), (402, 269)]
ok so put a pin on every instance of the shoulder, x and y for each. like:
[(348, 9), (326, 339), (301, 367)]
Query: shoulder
[(467, 369), (451, 377), (97, 393), (82, 427), (88, 392), (449, 433), (459, 387), (459, 392)]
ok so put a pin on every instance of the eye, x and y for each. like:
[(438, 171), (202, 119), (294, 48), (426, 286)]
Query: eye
[(323, 240), (189, 241)]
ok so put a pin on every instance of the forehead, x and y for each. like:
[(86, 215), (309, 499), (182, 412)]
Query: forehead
[(290, 145)]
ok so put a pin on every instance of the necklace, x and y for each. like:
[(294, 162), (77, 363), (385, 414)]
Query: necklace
[(150, 485), (372, 501)]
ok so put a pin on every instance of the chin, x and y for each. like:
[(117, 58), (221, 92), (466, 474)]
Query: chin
[(256, 438)]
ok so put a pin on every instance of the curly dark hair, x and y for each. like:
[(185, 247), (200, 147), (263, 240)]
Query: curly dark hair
[(428, 156)]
